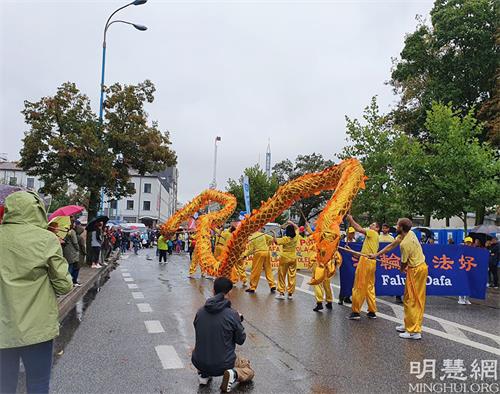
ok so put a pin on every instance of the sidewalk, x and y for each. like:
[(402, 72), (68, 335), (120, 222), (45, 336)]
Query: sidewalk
[(89, 278)]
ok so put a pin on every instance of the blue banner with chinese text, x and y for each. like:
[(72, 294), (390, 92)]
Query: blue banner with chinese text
[(454, 270)]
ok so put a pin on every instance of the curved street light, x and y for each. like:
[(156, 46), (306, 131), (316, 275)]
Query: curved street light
[(101, 101), (106, 26)]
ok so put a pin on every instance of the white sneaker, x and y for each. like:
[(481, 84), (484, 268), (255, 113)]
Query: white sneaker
[(228, 380), (204, 381), (94, 266), (290, 296), (408, 335), (280, 296), (461, 301), (400, 328), (468, 302)]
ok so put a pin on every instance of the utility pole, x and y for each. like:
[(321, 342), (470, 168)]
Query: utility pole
[(268, 159), (213, 184)]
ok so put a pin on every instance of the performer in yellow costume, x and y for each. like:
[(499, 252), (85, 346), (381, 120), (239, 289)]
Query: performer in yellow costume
[(287, 269), (194, 264), (413, 262), (258, 246), (364, 279), (238, 271)]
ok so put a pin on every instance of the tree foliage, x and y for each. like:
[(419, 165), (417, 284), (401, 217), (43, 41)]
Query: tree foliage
[(65, 142), (452, 60), (456, 170), (261, 188), (287, 170), (372, 141)]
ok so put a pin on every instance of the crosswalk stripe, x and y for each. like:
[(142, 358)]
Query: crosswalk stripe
[(168, 357), (153, 326), (144, 307)]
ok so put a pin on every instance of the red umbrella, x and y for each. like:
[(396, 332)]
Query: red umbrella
[(68, 210)]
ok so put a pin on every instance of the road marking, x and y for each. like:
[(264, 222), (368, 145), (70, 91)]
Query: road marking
[(440, 320), (144, 307), (168, 357), (125, 256), (132, 286), (124, 269), (305, 284), (125, 274), (445, 335), (128, 279), (137, 294), (153, 326)]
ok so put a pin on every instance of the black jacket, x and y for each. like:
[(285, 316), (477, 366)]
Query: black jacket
[(218, 330)]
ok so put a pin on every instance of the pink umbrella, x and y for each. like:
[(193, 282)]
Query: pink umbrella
[(68, 210)]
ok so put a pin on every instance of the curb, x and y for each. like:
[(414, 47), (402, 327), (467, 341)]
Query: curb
[(67, 302)]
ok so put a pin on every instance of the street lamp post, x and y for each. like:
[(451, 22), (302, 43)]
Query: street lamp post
[(101, 101), (213, 184), (108, 24)]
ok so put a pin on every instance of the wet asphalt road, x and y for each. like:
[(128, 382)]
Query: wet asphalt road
[(291, 348)]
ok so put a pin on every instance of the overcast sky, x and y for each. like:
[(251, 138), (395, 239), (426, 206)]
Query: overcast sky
[(247, 71)]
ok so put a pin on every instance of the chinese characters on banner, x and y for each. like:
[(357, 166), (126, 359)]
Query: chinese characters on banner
[(454, 270)]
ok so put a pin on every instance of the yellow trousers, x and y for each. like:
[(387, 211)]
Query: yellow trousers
[(414, 298), (287, 270), (194, 264), (261, 260), (323, 291), (238, 273), (364, 285)]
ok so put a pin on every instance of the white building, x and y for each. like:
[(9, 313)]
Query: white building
[(154, 200), (11, 174)]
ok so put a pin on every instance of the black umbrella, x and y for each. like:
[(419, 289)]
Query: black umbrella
[(91, 225), (428, 233)]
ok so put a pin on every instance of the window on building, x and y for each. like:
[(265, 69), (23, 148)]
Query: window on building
[(30, 183), (131, 185), (130, 204), (13, 181), (114, 204), (146, 205), (147, 188)]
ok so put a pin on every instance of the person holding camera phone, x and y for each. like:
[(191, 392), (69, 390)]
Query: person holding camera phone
[(218, 329)]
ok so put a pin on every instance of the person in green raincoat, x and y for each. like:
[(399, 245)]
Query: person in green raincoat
[(33, 272)]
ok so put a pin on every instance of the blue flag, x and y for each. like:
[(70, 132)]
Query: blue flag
[(246, 193)]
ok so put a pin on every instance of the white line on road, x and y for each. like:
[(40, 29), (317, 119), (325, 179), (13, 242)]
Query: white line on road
[(128, 279), (132, 286), (440, 320), (137, 294), (168, 357), (144, 307), (125, 274), (125, 256), (445, 335), (153, 326)]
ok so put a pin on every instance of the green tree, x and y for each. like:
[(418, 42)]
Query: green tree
[(77, 196), (287, 170), (372, 143), (454, 59), (65, 142), (453, 167), (261, 188)]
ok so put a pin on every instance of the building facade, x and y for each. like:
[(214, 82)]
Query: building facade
[(153, 202)]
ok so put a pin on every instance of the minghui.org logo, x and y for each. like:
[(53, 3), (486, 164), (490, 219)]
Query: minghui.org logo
[(455, 376), (439, 387)]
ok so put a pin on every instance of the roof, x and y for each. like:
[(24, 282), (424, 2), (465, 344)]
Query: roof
[(10, 166)]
